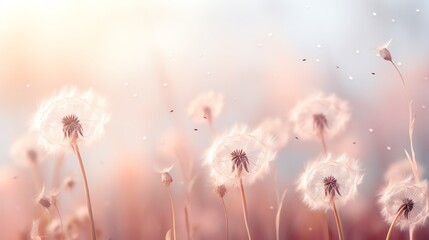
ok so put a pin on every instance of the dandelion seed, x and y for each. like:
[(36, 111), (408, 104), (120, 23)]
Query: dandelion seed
[(319, 45), (317, 60), (417, 10), (135, 95), (351, 77), (270, 34), (126, 84), (27, 86), (374, 14), (371, 130), (260, 45), (388, 148), (357, 51), (144, 138), (393, 20), (165, 84), (408, 196)]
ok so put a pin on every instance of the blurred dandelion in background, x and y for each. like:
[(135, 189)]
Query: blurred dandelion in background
[(320, 117)]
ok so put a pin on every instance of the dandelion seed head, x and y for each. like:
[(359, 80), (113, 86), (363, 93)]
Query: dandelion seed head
[(329, 177), (279, 129), (70, 115), (407, 194), (220, 190), (400, 170), (240, 153), (27, 151), (206, 107), (320, 113)]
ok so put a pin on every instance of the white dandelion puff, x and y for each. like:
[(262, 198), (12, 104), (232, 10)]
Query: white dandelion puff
[(408, 196), (329, 177), (277, 128), (401, 170), (206, 107), (320, 116), (70, 115), (240, 153), (26, 151)]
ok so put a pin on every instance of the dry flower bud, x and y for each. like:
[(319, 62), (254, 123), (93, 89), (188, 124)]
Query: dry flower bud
[(166, 178), (385, 54), (45, 202)]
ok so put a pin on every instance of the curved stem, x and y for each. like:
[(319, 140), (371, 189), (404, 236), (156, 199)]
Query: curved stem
[(188, 229), (337, 220), (398, 214), (243, 201), (85, 184), (172, 210), (226, 219), (61, 221), (279, 210)]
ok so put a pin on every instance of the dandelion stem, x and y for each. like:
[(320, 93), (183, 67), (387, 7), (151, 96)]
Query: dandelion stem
[(398, 214), (279, 210), (85, 182), (400, 75), (37, 175), (212, 130), (243, 201), (61, 221), (411, 233), (188, 231), (172, 211), (226, 219), (337, 219), (322, 139)]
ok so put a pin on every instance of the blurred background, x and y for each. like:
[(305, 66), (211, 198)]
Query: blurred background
[(151, 58)]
